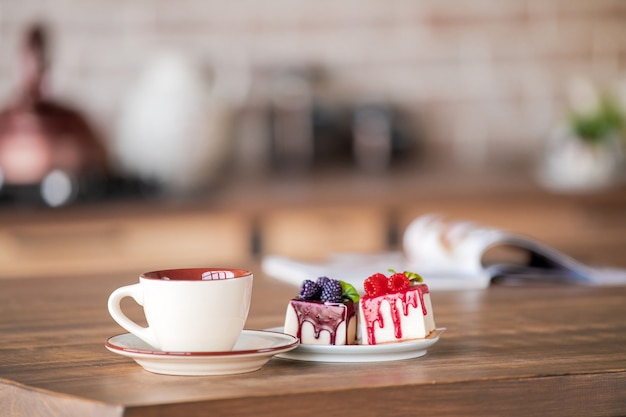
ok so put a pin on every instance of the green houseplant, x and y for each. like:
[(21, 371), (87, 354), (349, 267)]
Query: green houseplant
[(586, 152), (602, 122)]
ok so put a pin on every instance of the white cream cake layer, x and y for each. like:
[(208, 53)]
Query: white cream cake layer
[(396, 317), (321, 324)]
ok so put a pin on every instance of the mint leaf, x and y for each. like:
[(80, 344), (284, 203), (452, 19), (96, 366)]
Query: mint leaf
[(412, 276), (349, 291)]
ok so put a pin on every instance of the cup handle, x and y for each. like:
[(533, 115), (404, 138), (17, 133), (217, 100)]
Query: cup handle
[(115, 310)]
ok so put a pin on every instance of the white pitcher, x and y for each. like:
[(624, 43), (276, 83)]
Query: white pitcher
[(175, 125)]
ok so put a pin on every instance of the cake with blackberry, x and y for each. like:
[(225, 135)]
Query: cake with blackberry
[(395, 308), (323, 313)]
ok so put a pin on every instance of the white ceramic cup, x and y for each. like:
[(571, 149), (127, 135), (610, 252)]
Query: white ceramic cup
[(189, 309)]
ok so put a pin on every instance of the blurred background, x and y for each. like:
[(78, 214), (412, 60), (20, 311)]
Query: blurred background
[(249, 108)]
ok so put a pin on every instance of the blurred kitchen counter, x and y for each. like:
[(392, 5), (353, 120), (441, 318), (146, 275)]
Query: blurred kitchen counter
[(301, 216)]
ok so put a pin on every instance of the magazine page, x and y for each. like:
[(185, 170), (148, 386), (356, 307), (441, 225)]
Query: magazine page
[(452, 255), (447, 246), (355, 267), (429, 249)]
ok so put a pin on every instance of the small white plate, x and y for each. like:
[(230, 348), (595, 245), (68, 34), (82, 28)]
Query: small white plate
[(362, 353), (253, 350)]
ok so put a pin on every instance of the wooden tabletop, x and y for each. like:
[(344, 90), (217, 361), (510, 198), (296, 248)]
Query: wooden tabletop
[(514, 351)]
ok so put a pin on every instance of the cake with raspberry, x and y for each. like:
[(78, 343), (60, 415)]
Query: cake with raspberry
[(323, 313), (394, 309)]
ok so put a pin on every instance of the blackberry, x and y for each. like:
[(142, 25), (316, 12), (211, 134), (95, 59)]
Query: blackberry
[(331, 291), (310, 290), (322, 280)]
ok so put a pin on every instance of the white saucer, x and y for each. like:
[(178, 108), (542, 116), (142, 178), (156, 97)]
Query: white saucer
[(253, 350), (362, 353)]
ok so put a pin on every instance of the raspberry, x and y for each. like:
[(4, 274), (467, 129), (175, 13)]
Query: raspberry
[(332, 291), (310, 290), (398, 282), (375, 285)]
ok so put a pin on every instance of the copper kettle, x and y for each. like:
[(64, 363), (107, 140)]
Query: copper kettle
[(39, 136)]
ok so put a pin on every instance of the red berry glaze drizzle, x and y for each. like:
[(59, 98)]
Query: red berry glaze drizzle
[(395, 290)]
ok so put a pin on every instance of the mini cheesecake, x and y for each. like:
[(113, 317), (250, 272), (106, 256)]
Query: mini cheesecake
[(323, 313), (318, 323), (395, 314)]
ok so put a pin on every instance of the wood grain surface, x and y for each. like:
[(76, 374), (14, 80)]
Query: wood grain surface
[(514, 351), (507, 351)]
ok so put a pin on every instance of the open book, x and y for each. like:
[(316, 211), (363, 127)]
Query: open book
[(452, 255)]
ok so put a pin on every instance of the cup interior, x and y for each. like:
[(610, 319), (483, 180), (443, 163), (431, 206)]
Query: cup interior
[(196, 274)]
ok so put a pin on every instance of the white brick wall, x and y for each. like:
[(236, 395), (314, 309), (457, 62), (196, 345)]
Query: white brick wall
[(486, 74)]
